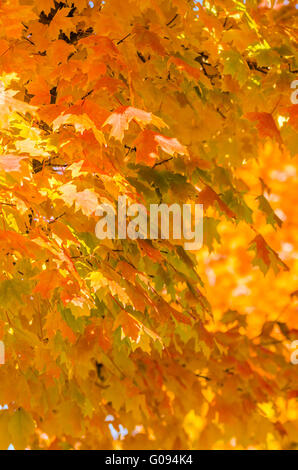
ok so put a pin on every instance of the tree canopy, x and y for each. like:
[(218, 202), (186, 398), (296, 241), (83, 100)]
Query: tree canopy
[(163, 101)]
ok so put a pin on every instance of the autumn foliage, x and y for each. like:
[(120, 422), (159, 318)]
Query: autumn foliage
[(172, 101)]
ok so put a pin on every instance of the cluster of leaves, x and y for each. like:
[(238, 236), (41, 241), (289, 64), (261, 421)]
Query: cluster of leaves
[(168, 101)]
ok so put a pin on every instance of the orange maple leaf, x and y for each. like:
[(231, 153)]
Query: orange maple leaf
[(208, 197), (266, 125), (147, 144)]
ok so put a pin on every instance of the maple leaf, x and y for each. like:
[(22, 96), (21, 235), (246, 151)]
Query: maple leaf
[(54, 323), (185, 67), (264, 205), (293, 112), (18, 241), (46, 6), (148, 38), (5, 439), (41, 91), (9, 104), (130, 326), (47, 282), (208, 197), (266, 255), (147, 144), (81, 123), (20, 426), (60, 21), (11, 162), (121, 118), (266, 125)]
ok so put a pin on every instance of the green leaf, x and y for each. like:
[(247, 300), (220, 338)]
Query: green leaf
[(21, 427), (234, 65), (265, 207)]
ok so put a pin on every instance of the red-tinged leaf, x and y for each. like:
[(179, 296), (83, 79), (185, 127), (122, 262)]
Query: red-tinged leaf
[(130, 326), (181, 317), (148, 142), (266, 125), (63, 232), (50, 112), (97, 114), (48, 280), (127, 271), (108, 84), (293, 113), (41, 91), (147, 147), (208, 197), (280, 428), (54, 322), (267, 255), (184, 67), (100, 44), (18, 242), (150, 251), (262, 249), (145, 38)]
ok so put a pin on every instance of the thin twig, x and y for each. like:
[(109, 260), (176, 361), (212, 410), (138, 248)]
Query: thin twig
[(87, 94), (172, 20), (162, 162), (58, 217), (123, 39)]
